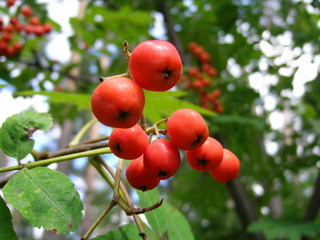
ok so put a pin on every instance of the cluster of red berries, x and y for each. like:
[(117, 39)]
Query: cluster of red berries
[(118, 102), (24, 23), (198, 79)]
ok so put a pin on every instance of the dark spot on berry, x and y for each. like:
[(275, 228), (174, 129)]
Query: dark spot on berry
[(162, 173), (197, 141), (167, 73), (143, 188), (54, 230), (117, 147), (203, 162), (123, 115), (100, 100)]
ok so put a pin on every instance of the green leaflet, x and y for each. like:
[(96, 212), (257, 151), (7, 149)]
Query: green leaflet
[(273, 229), (125, 232), (162, 104), (46, 198), (16, 132), (165, 219), (6, 229), (82, 101)]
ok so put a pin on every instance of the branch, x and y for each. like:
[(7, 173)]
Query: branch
[(245, 208), (314, 204)]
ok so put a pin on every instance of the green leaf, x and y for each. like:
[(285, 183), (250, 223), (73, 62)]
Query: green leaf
[(178, 226), (82, 101), (162, 104), (3, 85), (125, 232), (166, 218), (157, 218), (46, 198), (6, 229), (273, 229), (16, 132)]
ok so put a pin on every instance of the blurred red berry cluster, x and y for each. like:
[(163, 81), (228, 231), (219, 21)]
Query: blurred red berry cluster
[(199, 78), (14, 32)]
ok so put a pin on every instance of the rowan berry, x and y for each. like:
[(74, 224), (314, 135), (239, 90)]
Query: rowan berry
[(26, 11), (187, 129), (206, 157), (118, 102), (128, 143), (138, 177), (161, 159), (228, 169), (155, 65)]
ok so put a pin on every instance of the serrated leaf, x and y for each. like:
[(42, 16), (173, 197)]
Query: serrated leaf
[(46, 198), (82, 101), (162, 104), (6, 229), (125, 232), (16, 132)]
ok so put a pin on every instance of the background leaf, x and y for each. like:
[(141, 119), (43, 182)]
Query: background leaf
[(6, 229), (82, 101), (16, 132), (166, 103), (46, 198), (274, 229), (125, 232)]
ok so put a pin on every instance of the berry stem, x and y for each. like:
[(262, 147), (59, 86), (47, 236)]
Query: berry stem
[(126, 51), (82, 132), (99, 219), (127, 75)]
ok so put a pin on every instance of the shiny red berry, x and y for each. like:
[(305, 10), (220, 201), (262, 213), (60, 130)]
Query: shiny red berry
[(228, 169), (138, 177), (206, 157), (187, 129), (162, 159), (128, 143), (155, 65), (118, 102)]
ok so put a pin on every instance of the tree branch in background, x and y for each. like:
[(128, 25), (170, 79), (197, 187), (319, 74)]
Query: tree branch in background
[(245, 209)]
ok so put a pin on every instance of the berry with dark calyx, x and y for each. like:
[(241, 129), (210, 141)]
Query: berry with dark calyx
[(118, 102), (128, 143), (228, 169), (10, 2), (206, 157), (155, 65), (138, 177), (187, 129), (161, 159)]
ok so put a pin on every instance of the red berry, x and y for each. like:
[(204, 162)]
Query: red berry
[(118, 102), (6, 37), (26, 11), (187, 129), (138, 177), (47, 28), (17, 47), (128, 143), (161, 159), (204, 57), (206, 157), (10, 2), (155, 65), (228, 168), (34, 21), (38, 30), (28, 28)]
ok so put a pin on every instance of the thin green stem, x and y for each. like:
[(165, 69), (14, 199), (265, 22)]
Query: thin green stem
[(99, 219), (57, 159), (118, 75), (82, 132), (117, 179)]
